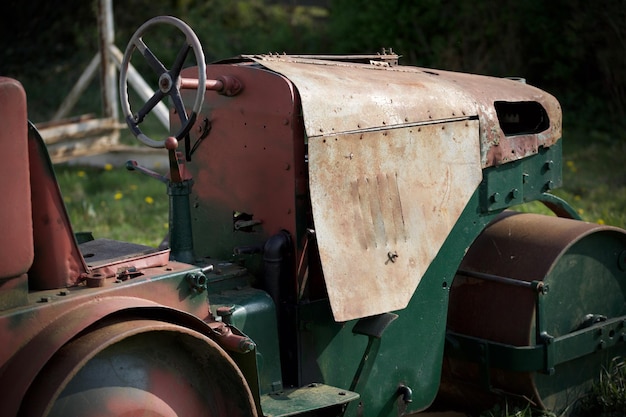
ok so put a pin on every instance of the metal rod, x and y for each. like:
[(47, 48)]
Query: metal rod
[(192, 83), (496, 278)]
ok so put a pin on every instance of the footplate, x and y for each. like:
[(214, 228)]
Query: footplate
[(299, 400)]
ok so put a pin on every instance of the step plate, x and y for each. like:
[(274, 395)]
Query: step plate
[(300, 400)]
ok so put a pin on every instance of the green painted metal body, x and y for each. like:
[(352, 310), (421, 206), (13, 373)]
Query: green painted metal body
[(409, 350), (251, 311), (181, 241), (250, 187)]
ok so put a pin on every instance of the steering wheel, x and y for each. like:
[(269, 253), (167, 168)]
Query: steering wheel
[(169, 80)]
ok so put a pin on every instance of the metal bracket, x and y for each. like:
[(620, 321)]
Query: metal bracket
[(542, 357), (522, 181)]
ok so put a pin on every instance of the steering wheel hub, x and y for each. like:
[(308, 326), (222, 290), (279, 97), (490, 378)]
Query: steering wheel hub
[(165, 83)]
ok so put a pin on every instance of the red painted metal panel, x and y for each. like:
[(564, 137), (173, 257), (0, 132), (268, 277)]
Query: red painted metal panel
[(58, 262), (252, 161), (16, 230)]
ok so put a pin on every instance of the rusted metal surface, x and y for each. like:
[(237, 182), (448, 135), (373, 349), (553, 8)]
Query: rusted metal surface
[(496, 147), (252, 161), (339, 97), (140, 366), (526, 248), (383, 204), (107, 258), (344, 97), (59, 316)]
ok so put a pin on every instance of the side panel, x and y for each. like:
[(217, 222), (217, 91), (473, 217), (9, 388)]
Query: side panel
[(383, 204), (248, 165)]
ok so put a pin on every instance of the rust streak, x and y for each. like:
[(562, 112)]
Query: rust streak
[(397, 209), (358, 215)]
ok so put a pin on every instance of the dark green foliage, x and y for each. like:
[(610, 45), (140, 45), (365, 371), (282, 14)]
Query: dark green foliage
[(574, 49)]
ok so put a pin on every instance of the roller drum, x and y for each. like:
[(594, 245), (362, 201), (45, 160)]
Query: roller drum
[(535, 311)]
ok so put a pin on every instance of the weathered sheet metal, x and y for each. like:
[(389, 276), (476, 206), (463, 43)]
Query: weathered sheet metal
[(340, 97), (58, 262), (388, 147), (497, 147), (348, 96), (392, 163), (383, 204)]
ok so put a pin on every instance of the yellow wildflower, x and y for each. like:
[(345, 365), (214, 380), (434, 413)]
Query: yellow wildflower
[(118, 195), (108, 167), (571, 166), (149, 200)]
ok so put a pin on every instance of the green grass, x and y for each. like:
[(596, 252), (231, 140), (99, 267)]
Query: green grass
[(608, 396), (594, 178), (115, 203), (506, 410)]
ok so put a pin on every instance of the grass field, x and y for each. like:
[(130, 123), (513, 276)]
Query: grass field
[(115, 203), (594, 176)]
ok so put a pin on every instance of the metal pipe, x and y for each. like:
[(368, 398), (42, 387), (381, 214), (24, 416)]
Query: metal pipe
[(497, 278), (192, 83), (273, 259)]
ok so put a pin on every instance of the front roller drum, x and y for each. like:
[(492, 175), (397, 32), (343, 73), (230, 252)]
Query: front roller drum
[(140, 368), (537, 308)]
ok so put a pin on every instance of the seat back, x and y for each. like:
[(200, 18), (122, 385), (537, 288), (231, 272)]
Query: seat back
[(16, 228)]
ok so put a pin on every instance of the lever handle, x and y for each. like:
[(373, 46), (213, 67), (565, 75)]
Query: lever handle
[(176, 174), (134, 166)]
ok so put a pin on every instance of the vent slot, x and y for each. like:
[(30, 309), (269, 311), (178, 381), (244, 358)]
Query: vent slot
[(521, 117)]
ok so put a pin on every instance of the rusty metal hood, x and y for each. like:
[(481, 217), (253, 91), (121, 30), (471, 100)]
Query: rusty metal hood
[(339, 97), (395, 154)]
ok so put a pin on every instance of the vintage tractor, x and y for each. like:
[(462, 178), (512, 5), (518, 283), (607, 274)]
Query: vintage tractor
[(340, 245)]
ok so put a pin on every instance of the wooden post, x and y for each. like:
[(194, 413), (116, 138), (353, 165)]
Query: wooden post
[(110, 59), (108, 73)]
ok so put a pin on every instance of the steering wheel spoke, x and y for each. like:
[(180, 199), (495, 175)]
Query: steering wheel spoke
[(148, 106), (180, 107), (153, 61), (169, 80), (180, 58)]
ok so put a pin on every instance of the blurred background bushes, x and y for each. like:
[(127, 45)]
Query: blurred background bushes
[(574, 49)]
